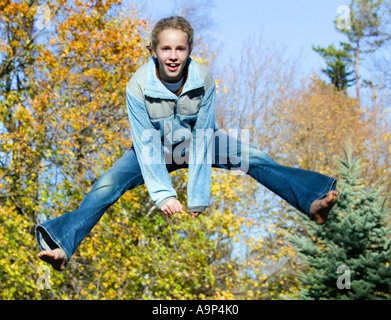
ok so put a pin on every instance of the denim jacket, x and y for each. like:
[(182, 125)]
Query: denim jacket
[(169, 129)]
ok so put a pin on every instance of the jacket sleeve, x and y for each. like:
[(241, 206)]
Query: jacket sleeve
[(147, 144), (200, 153)]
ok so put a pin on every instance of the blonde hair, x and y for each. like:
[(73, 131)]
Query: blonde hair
[(174, 22)]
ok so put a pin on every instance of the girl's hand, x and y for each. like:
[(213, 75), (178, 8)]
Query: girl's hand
[(172, 206)]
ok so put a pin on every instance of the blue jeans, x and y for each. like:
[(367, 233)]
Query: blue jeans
[(298, 187)]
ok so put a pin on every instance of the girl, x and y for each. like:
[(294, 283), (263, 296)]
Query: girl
[(171, 109)]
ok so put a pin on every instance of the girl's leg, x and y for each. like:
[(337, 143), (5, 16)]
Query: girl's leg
[(300, 188), (68, 230)]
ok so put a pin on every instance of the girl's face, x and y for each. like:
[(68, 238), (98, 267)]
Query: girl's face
[(171, 52)]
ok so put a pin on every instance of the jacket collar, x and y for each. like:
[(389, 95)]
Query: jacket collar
[(154, 88)]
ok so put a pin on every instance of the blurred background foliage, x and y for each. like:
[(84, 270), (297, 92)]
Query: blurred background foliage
[(64, 66)]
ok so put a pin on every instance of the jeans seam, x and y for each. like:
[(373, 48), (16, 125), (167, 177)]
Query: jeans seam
[(307, 205), (268, 170), (82, 222)]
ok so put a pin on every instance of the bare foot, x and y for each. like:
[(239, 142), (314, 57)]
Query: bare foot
[(320, 208), (55, 257)]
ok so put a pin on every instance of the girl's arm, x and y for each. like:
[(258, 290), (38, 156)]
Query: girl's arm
[(200, 154), (147, 144)]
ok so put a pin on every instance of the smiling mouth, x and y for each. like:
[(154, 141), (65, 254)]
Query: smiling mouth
[(172, 66)]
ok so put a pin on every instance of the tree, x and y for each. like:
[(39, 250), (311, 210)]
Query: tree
[(251, 97), (316, 122), (21, 130), (61, 130), (59, 94), (380, 62), (337, 62), (363, 33), (348, 257)]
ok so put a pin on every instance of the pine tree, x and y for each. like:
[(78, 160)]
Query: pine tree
[(363, 33), (349, 256), (337, 62)]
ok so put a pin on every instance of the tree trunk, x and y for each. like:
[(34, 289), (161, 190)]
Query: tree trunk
[(356, 72)]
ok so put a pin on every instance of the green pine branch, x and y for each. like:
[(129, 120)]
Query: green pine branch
[(356, 236)]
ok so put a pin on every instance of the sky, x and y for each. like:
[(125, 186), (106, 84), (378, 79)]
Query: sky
[(296, 25)]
